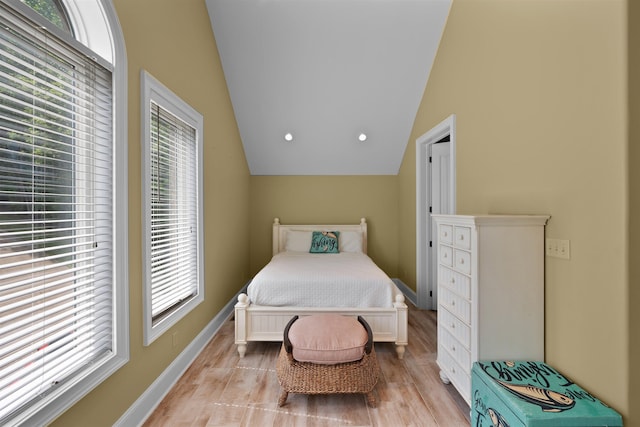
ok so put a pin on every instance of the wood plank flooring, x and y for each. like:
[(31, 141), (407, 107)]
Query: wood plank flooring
[(220, 389)]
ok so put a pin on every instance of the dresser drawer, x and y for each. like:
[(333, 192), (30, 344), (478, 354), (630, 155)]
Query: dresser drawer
[(462, 261), (457, 305), (460, 379), (457, 351), (462, 237), (445, 233), (460, 330), (458, 283), (445, 255)]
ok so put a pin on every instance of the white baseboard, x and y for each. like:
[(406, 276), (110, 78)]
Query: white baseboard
[(151, 398), (409, 293)]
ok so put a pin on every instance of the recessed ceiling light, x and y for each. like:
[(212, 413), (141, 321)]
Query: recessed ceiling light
[(362, 137), (288, 137)]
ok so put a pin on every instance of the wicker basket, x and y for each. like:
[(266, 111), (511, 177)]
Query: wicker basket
[(360, 376)]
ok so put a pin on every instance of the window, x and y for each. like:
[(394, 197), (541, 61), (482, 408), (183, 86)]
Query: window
[(172, 134), (53, 11), (63, 290)]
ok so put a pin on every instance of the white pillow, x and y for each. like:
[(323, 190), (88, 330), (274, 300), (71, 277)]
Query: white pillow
[(297, 241), (350, 241)]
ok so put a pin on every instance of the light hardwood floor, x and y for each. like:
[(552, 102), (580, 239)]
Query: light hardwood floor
[(220, 389)]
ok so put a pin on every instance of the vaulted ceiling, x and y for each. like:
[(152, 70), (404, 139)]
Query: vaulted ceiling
[(326, 72)]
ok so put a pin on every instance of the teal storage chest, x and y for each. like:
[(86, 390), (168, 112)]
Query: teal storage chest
[(533, 394)]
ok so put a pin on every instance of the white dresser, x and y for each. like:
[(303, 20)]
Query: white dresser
[(490, 292)]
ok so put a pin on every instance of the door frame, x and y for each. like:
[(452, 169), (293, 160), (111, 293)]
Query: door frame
[(423, 200)]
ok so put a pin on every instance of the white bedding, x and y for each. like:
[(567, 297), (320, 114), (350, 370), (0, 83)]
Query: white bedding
[(299, 279)]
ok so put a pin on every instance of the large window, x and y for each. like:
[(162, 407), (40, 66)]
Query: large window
[(172, 134), (62, 275)]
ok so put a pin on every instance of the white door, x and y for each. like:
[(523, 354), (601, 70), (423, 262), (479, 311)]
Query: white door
[(435, 193), (439, 186)]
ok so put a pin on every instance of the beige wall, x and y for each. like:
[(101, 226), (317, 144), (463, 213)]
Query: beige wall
[(634, 211), (539, 93), (327, 200), (173, 41)]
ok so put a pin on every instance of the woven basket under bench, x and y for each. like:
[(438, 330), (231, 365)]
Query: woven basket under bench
[(359, 376)]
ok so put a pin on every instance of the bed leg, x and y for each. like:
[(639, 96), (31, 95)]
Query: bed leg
[(402, 319), (400, 351), (242, 350), (241, 323)]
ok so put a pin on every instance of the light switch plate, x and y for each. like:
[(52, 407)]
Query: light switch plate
[(558, 248)]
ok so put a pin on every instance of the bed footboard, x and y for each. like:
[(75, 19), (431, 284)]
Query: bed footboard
[(263, 323)]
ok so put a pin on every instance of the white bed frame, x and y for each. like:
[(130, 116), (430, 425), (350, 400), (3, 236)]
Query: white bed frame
[(265, 323)]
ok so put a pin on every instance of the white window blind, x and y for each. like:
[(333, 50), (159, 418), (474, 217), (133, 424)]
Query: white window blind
[(56, 214), (173, 209)]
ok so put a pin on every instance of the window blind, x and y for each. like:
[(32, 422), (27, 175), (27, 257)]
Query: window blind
[(174, 212), (56, 214)]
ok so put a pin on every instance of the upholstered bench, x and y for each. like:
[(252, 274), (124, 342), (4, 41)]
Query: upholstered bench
[(325, 354)]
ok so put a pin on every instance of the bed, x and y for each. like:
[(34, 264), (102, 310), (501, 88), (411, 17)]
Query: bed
[(303, 286)]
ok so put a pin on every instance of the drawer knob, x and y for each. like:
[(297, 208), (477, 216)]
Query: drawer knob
[(453, 369), (453, 348), (461, 260), (453, 303), (444, 255), (462, 237), (453, 280), (453, 326), (445, 234)]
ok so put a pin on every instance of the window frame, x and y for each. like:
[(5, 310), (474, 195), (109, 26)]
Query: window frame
[(47, 409), (154, 91)]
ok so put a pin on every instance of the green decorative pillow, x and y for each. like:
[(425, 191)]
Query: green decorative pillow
[(324, 242)]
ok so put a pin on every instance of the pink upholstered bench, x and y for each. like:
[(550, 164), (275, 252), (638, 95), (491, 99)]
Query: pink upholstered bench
[(327, 353)]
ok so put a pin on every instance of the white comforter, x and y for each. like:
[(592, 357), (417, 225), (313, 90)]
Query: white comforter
[(301, 279)]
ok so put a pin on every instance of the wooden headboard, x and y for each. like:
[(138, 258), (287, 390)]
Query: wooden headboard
[(280, 232)]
